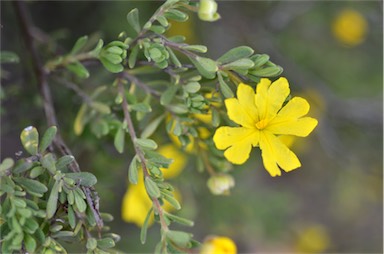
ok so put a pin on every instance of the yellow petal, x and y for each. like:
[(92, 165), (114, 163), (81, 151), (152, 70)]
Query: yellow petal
[(136, 205), (295, 108), (179, 160), (299, 127), (246, 97), (270, 97), (228, 136), (238, 113), (275, 152)]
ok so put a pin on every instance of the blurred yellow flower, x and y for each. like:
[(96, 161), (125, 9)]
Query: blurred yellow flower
[(136, 202), (350, 27), (263, 118), (218, 245), (313, 239)]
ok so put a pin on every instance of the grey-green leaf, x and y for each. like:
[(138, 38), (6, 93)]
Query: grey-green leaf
[(180, 238), (151, 127), (30, 185), (235, 54), (63, 162), (133, 19), (8, 57), (146, 143), (48, 162), (83, 178), (119, 140), (206, 67), (47, 138), (144, 228), (30, 139), (168, 95), (52, 200), (224, 88), (106, 243), (242, 64), (151, 187), (132, 171)]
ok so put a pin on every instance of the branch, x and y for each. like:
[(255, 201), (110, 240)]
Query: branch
[(42, 80), (139, 152)]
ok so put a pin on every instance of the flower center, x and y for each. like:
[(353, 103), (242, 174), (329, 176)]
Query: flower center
[(262, 124)]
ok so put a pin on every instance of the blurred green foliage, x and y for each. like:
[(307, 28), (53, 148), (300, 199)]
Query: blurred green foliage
[(338, 188)]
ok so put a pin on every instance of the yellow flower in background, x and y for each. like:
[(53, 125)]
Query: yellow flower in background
[(313, 239), (136, 202), (218, 245), (262, 119), (350, 27)]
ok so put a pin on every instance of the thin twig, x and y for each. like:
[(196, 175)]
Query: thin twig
[(42, 80), (139, 152)]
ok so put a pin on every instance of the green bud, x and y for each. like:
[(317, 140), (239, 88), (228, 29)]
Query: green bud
[(208, 10)]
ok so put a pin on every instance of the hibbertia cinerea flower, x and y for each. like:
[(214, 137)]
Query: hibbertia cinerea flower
[(262, 119)]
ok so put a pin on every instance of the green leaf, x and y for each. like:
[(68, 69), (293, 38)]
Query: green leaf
[(162, 20), (79, 45), (30, 139), (78, 69), (215, 117), (171, 199), (151, 187), (105, 243), (8, 57), (83, 178), (133, 19), (96, 51), (260, 60), (236, 54), (168, 95), (180, 220), (224, 88), (196, 48), (119, 140), (114, 68), (132, 171), (144, 228), (49, 162), (31, 186), (157, 29), (52, 200), (267, 72), (63, 162), (141, 107), (206, 67), (158, 160), (30, 225), (47, 138), (91, 243), (151, 127), (101, 107), (22, 166), (30, 243), (79, 202), (36, 171), (133, 56), (173, 57), (146, 143), (71, 217), (176, 15), (242, 64), (180, 238), (6, 164), (192, 87)]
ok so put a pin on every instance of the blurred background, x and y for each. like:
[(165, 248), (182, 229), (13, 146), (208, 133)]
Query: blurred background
[(332, 54)]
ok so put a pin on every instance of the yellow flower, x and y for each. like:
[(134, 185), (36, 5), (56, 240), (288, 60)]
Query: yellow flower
[(136, 203), (350, 27), (218, 245), (313, 239), (263, 118)]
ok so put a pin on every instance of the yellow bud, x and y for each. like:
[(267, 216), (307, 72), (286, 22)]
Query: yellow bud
[(218, 245)]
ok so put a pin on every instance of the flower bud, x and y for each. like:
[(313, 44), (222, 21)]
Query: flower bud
[(220, 184), (208, 10)]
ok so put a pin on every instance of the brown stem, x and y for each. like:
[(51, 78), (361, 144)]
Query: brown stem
[(139, 152), (42, 80)]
